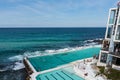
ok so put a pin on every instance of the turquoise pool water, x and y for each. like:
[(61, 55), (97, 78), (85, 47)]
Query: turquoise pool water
[(51, 61), (61, 74)]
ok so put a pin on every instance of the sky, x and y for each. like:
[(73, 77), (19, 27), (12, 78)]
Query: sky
[(55, 13)]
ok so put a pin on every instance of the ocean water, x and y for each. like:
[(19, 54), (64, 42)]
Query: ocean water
[(15, 43)]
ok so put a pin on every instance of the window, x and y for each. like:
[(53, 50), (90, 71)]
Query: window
[(103, 57), (112, 16), (118, 33), (109, 32)]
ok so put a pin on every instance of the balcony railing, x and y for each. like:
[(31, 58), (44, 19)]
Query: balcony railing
[(115, 53), (118, 37), (103, 60), (105, 45), (105, 49)]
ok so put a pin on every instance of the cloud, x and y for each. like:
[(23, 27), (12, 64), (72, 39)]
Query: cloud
[(54, 12)]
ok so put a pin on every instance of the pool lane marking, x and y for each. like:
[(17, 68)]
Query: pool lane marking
[(67, 75), (60, 75), (47, 78), (53, 76)]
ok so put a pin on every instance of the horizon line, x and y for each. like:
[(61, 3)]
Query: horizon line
[(57, 27)]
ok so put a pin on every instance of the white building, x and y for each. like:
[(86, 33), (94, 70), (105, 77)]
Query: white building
[(110, 51)]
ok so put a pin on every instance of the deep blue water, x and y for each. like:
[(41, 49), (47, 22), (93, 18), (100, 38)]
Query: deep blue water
[(15, 42)]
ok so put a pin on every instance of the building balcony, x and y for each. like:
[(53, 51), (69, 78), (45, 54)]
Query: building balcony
[(115, 53), (105, 45), (104, 48), (118, 36), (103, 57)]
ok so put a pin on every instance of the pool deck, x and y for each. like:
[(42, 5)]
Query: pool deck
[(85, 70)]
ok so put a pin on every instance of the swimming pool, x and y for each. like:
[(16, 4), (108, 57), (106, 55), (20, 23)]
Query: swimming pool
[(61, 74), (42, 63)]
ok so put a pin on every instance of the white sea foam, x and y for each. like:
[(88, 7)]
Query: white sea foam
[(18, 65), (91, 40), (2, 70), (88, 40), (59, 51), (50, 51), (16, 58), (98, 46), (33, 53)]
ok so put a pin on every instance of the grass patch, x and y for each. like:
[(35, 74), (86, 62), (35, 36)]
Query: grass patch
[(113, 75)]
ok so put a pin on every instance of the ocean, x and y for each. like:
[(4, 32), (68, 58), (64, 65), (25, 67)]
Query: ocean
[(15, 43)]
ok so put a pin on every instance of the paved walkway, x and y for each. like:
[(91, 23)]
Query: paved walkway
[(86, 69)]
